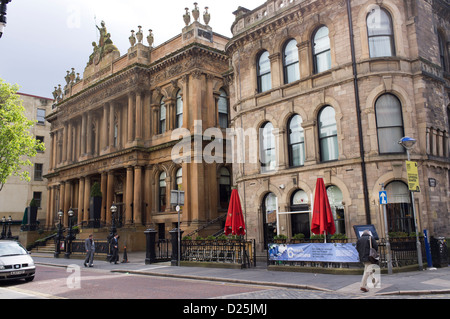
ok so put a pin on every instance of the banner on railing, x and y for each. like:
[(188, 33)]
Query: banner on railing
[(314, 252)]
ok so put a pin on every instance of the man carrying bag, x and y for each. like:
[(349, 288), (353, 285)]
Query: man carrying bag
[(367, 248)]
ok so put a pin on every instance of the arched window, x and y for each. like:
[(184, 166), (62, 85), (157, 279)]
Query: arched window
[(296, 140), (179, 112), (263, 72), (380, 33), (399, 209), (388, 112), (267, 148), (223, 109), (290, 62), (269, 211), (162, 192), (337, 207), (328, 135), (224, 187), (179, 179), (442, 51), (162, 117), (300, 203), (321, 50)]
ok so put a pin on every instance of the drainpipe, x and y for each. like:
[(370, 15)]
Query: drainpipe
[(358, 115)]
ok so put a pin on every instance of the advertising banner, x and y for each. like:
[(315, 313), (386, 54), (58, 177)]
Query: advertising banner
[(314, 252)]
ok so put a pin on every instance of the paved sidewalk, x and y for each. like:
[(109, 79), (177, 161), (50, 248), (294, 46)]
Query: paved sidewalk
[(407, 283)]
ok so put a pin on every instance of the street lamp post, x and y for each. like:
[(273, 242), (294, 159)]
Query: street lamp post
[(59, 235), (9, 234), (69, 237), (3, 235), (3, 4), (408, 143), (112, 231)]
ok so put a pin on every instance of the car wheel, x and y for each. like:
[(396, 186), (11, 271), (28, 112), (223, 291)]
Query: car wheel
[(28, 279)]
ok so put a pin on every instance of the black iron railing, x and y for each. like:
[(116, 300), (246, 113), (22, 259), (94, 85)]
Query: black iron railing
[(227, 251)]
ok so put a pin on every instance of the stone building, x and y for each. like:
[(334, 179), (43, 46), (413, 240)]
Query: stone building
[(329, 88), (17, 194), (116, 126)]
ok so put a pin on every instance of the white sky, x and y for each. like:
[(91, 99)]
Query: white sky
[(44, 38)]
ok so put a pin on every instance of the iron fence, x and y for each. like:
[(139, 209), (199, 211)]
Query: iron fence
[(228, 251)]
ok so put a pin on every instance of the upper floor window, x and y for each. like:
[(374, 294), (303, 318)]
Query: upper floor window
[(296, 140), (179, 179), (162, 191), (380, 33), (328, 134), (38, 171), (388, 112), (263, 72), (267, 148), (290, 62), (162, 117), (179, 115), (223, 109), (442, 52), (40, 116), (321, 50)]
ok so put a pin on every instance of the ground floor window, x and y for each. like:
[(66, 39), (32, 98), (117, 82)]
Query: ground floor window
[(269, 211), (336, 199), (399, 209), (300, 222)]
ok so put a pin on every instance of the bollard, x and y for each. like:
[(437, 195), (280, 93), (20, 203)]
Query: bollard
[(150, 252), (174, 240)]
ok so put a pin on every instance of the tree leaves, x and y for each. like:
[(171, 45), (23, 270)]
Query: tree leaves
[(17, 144)]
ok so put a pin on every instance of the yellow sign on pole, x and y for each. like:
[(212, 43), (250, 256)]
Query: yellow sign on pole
[(413, 176)]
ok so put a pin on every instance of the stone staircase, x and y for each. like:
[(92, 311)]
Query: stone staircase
[(49, 248)]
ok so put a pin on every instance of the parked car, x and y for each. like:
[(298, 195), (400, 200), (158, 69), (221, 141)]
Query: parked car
[(15, 261)]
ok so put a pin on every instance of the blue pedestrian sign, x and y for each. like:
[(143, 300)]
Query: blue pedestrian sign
[(383, 198)]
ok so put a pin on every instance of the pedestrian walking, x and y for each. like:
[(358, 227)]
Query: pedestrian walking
[(363, 245), (115, 249), (89, 245)]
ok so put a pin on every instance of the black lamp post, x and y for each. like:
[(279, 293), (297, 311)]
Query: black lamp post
[(112, 231), (69, 236), (3, 236), (3, 4), (59, 235), (9, 234)]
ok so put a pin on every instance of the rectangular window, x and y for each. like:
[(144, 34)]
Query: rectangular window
[(41, 140), (37, 196), (38, 169), (40, 116)]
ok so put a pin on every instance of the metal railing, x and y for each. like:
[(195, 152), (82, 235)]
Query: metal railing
[(239, 252)]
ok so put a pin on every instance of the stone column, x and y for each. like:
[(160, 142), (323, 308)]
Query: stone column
[(304, 59), (69, 142), (67, 192), (129, 197), (139, 116), (103, 185), (137, 201), (80, 199), (83, 134), (64, 143), (275, 69), (104, 131), (148, 194), (131, 104), (87, 193), (109, 196), (89, 134), (111, 125)]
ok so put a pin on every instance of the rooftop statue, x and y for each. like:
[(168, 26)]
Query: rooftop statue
[(105, 45)]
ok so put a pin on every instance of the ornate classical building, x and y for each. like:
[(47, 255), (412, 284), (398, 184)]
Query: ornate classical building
[(115, 126), (330, 87)]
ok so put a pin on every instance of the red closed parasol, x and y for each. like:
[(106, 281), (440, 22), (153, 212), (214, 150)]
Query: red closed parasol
[(235, 224), (322, 220)]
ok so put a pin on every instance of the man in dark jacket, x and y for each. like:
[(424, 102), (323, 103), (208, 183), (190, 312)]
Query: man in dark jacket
[(115, 249), (89, 245), (363, 248)]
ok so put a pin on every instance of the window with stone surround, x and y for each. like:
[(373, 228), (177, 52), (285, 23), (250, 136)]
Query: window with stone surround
[(267, 148), (290, 62), (380, 33), (328, 141), (388, 112), (162, 117), (296, 141), (321, 50), (263, 72)]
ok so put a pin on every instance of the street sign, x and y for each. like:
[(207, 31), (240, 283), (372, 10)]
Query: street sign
[(413, 176), (383, 198), (176, 198)]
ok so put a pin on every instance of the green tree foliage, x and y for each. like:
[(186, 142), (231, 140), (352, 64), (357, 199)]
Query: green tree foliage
[(17, 144)]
